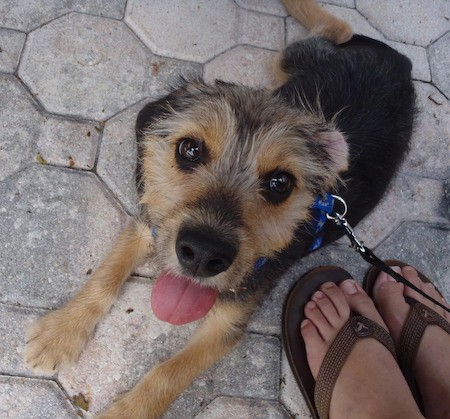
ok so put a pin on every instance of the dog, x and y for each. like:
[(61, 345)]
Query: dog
[(227, 176)]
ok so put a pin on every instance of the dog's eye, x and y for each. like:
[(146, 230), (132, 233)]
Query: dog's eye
[(190, 153), (278, 186), (190, 149)]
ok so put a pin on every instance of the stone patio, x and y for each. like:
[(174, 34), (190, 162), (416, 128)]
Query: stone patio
[(73, 75)]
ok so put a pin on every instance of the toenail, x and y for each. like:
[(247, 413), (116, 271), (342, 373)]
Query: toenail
[(311, 304), (328, 285), (349, 287), (318, 295), (304, 323)]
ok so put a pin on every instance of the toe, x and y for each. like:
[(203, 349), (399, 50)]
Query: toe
[(336, 296), (315, 315), (360, 302), (327, 308), (390, 301), (315, 346)]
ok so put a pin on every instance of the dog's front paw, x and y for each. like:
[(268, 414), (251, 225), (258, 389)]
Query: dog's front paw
[(53, 341)]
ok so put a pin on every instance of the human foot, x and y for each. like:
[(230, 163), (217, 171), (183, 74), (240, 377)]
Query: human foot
[(369, 366), (431, 367)]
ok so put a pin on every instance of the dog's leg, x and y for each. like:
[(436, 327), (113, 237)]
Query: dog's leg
[(218, 334), (59, 337)]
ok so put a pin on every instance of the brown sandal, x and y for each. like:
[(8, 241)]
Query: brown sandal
[(420, 316), (318, 395)]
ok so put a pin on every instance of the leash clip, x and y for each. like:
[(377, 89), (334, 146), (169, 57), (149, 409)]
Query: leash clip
[(341, 221)]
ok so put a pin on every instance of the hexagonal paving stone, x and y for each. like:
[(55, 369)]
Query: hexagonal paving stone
[(439, 60), (23, 397), (188, 29), (247, 65), (117, 159), (430, 144), (26, 15), (243, 409), (21, 125), (14, 322), (273, 7), (90, 77), (410, 21), (11, 44), (409, 198), (250, 370), (261, 30), (68, 143), (56, 225)]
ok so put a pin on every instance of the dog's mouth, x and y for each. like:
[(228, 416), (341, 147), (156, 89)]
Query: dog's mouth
[(179, 300)]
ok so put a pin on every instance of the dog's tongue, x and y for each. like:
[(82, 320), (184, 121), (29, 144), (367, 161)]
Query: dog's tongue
[(179, 300)]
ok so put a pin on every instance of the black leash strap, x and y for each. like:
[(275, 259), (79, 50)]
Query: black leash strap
[(370, 257)]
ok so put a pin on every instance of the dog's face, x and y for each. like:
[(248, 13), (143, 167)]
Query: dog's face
[(227, 175)]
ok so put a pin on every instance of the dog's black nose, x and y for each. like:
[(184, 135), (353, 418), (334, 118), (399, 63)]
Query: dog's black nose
[(203, 253)]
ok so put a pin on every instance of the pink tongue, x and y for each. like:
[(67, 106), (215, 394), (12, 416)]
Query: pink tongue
[(179, 300)]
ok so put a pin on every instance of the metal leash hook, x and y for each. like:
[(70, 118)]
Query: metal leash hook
[(368, 255), (340, 221)]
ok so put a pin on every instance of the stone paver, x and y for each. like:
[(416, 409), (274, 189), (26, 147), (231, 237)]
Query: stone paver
[(20, 124), (14, 321), (26, 15), (117, 158), (439, 59), (273, 7), (11, 44), (408, 21), (178, 28), (246, 65), (91, 79), (59, 225), (32, 398), (430, 143), (224, 407), (69, 143), (74, 74)]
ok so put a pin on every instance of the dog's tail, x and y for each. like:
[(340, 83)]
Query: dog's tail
[(318, 21)]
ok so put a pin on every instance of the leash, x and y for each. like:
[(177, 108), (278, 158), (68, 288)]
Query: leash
[(368, 255)]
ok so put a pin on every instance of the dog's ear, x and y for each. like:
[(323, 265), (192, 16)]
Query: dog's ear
[(337, 149), (158, 109)]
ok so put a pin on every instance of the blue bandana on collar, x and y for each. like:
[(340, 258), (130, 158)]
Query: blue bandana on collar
[(322, 206)]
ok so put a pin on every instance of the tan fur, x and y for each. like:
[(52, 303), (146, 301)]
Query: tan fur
[(318, 21), (171, 199)]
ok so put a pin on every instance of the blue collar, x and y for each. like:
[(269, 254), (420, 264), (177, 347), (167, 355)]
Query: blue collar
[(322, 206)]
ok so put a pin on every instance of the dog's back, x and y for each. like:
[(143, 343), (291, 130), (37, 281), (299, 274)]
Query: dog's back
[(365, 87)]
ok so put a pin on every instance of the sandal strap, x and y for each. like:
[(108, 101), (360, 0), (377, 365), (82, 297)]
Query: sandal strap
[(420, 316), (355, 329)]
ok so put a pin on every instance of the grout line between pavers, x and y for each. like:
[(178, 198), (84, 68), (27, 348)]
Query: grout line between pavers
[(257, 11)]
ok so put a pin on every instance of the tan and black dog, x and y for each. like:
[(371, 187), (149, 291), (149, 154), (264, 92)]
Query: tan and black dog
[(227, 176)]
